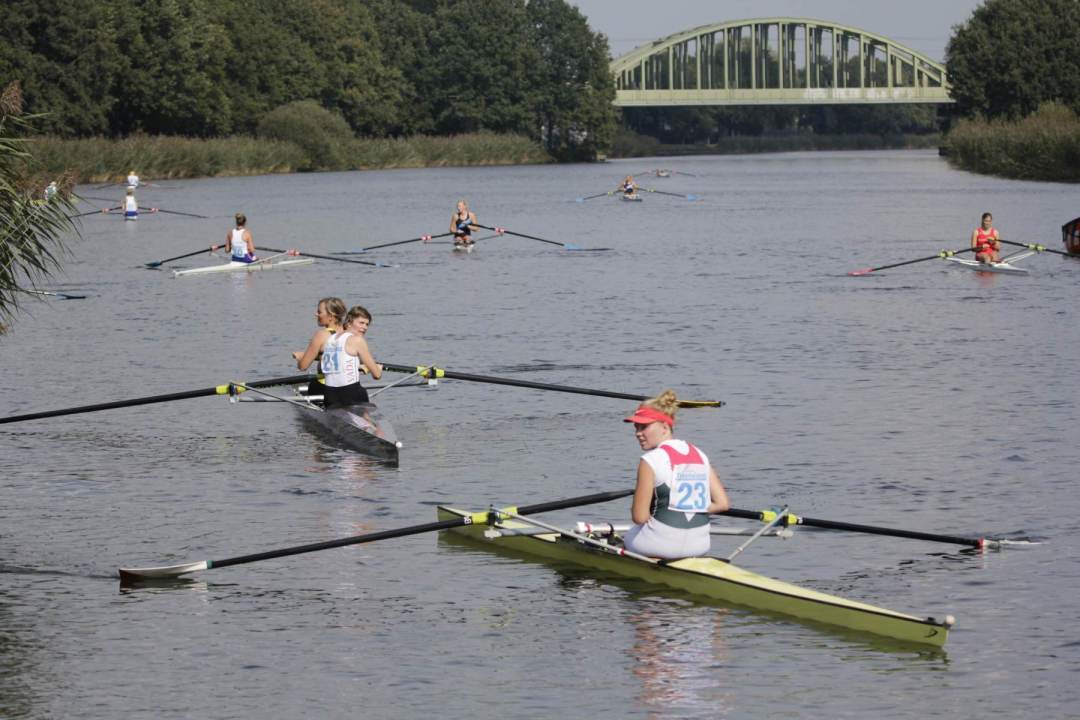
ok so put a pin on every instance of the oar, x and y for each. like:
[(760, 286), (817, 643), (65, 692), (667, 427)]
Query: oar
[(128, 575), (1038, 248), (940, 254), (590, 197), (171, 212), (204, 392), (789, 520), (95, 212), (422, 238), (159, 263), (436, 372), (91, 197), (661, 192), (566, 246), (329, 257), (62, 296)]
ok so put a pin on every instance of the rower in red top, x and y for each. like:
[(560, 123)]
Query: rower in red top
[(985, 241)]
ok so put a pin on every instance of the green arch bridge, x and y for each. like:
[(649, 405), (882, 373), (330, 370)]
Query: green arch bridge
[(776, 61)]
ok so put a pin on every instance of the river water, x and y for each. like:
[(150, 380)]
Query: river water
[(927, 397)]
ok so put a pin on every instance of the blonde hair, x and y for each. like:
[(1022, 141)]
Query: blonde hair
[(335, 306), (666, 402), (355, 312), (241, 219)]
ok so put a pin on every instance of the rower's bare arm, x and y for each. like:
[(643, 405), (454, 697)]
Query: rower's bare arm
[(717, 494), (643, 494), (305, 358), (364, 353)]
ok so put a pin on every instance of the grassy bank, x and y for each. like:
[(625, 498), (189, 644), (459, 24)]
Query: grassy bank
[(628, 144), (1043, 146), (94, 160)]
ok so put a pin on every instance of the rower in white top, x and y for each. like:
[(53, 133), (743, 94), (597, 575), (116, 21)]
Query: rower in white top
[(131, 205), (132, 180), (239, 243)]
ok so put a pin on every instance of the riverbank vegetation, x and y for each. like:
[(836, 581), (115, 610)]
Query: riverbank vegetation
[(1045, 145), (1006, 63), (399, 72)]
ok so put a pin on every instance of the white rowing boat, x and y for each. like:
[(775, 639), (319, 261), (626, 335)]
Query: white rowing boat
[(631, 198), (1004, 266), (464, 247), (270, 263), (705, 576)]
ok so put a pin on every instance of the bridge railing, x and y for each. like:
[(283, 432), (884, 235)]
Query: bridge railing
[(777, 61)]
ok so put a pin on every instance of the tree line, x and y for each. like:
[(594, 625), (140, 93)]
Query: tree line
[(388, 68)]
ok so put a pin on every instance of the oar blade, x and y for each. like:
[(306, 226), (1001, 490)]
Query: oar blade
[(129, 575), (864, 271), (691, 198)]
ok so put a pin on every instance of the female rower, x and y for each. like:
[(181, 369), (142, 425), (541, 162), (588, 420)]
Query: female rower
[(238, 242), (132, 180), (345, 356), (461, 223), (676, 489), (131, 205), (330, 314), (628, 187), (985, 241)]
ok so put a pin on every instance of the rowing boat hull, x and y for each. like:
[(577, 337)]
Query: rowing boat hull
[(361, 428), (713, 578), (632, 198), (998, 267), (244, 267)]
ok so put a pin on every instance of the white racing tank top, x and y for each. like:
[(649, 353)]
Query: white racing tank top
[(131, 204), (339, 368), (239, 246), (679, 526)]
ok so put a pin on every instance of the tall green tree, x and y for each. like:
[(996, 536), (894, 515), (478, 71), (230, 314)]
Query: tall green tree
[(1012, 55), (572, 88), (66, 58), (475, 73), (31, 228), (175, 81)]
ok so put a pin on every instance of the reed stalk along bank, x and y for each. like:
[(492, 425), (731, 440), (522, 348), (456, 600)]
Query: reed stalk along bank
[(93, 160), (1043, 146)]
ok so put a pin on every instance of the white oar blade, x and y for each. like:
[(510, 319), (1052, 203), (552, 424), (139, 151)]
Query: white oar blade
[(165, 571)]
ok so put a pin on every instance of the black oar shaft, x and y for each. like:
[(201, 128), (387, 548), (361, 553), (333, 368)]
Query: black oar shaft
[(211, 249), (415, 529), (325, 257), (855, 527), (936, 256), (1037, 248), (516, 383), (422, 238), (523, 235), (202, 392)]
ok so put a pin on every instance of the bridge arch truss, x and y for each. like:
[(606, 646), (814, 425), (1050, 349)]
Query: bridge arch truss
[(776, 61)]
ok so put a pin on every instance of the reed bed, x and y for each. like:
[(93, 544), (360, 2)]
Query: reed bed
[(95, 160), (1043, 146)]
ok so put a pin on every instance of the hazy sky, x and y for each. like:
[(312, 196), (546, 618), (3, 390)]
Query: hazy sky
[(922, 25)]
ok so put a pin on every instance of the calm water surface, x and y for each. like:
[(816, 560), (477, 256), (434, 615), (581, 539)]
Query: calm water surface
[(926, 397)]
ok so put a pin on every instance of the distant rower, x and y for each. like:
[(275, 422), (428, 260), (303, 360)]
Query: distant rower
[(628, 187), (132, 180), (985, 241), (131, 205), (238, 242), (461, 224)]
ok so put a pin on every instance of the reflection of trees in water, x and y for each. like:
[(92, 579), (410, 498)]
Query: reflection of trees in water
[(17, 639), (680, 655)]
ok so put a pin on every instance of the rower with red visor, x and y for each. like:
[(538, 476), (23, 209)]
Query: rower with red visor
[(677, 489)]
